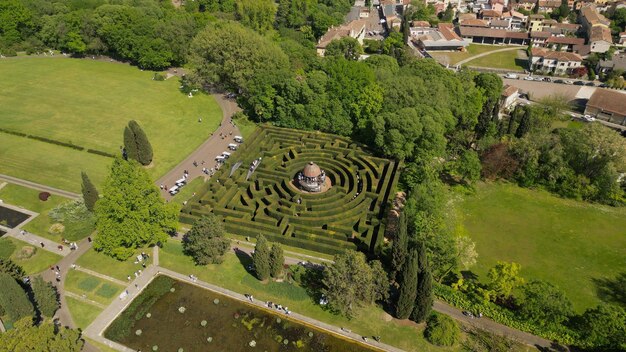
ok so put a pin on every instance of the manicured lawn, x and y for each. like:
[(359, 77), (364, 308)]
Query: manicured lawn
[(188, 191), (565, 242), (40, 261), (95, 288), (246, 127), (101, 347), (29, 198), (82, 313), (505, 60), (232, 275), (89, 103), (114, 268), (472, 49)]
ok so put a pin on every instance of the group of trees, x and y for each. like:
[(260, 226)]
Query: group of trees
[(206, 242), (131, 212), (267, 262), (136, 144), (43, 337)]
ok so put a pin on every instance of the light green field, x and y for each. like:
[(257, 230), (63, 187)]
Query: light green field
[(505, 60), (114, 268), (94, 288), (472, 49), (82, 313), (565, 242), (89, 103), (232, 275), (40, 261)]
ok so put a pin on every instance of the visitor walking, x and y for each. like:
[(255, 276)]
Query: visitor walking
[(42, 245)]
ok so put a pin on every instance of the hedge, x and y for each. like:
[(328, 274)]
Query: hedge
[(54, 141)]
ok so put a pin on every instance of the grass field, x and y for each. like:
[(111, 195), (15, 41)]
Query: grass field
[(88, 103), (506, 60), (82, 313), (39, 262), (232, 275), (94, 288), (473, 49), (565, 242), (114, 268)]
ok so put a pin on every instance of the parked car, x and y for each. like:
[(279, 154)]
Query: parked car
[(589, 118), (590, 84), (579, 83), (559, 81), (511, 76), (603, 85), (569, 82), (528, 78), (539, 79), (547, 79)]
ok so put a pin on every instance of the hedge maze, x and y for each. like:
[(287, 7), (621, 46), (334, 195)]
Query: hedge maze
[(347, 216)]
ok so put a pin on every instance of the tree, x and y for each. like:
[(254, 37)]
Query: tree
[(90, 193), (424, 297), (256, 14), (441, 330), (504, 277), (408, 287), (545, 304), (46, 297), (603, 327), (399, 249), (13, 299), (206, 242), (347, 47), (468, 166), (46, 337), (277, 261), (261, 259), (131, 212), (136, 143), (381, 281), (7, 266), (349, 283)]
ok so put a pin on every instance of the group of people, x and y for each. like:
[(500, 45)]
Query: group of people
[(57, 272), (193, 278), (278, 307)]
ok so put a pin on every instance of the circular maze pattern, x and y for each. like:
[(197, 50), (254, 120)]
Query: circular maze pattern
[(347, 216)]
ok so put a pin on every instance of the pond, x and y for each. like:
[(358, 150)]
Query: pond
[(11, 218), (209, 321)]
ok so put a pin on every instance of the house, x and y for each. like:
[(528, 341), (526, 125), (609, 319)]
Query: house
[(618, 62), (608, 105), (562, 43), (547, 6), (490, 15), (509, 96), (590, 17), (557, 62), (474, 23), (622, 38), (600, 39), (500, 24), (354, 29), (517, 21), (441, 38), (493, 36), (526, 5), (535, 22)]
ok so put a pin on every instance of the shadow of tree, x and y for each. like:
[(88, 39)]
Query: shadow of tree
[(246, 261), (612, 290)]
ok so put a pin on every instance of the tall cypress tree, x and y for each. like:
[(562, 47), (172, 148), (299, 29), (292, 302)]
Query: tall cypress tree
[(408, 287), (144, 148), (261, 259), (130, 145), (399, 249), (90, 193), (424, 299), (277, 260)]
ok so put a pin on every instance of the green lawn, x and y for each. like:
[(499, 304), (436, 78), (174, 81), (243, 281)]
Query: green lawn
[(505, 60), (29, 198), (40, 261), (188, 191), (94, 288), (565, 242), (99, 346), (88, 103), (114, 268), (472, 49), (82, 313), (232, 275)]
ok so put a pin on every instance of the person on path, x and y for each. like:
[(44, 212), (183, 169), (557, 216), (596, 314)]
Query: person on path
[(42, 245)]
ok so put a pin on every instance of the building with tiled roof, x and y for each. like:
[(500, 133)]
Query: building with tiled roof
[(493, 36), (559, 62), (597, 28), (600, 39), (354, 29), (608, 105), (548, 6), (474, 23), (441, 38)]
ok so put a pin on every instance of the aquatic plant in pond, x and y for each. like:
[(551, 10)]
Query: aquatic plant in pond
[(233, 326)]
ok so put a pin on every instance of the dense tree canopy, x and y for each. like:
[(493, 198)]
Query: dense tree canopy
[(544, 303), (206, 242), (46, 297), (13, 299), (46, 337), (131, 212), (256, 14)]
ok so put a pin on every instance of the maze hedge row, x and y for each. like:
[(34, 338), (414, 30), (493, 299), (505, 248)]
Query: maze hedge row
[(347, 216)]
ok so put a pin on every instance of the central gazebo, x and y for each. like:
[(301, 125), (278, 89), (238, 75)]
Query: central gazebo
[(312, 179)]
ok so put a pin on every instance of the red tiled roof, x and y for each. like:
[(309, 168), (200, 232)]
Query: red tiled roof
[(447, 31), (592, 16), (566, 40), (608, 100), (540, 34), (509, 90), (600, 33), (491, 13), (474, 23), (555, 55)]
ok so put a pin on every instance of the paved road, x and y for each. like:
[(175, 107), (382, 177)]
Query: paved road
[(458, 64), (207, 152), (39, 187)]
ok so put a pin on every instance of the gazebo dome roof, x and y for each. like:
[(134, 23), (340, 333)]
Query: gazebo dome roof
[(311, 170)]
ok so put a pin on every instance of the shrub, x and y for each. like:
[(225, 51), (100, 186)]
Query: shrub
[(158, 77), (441, 330), (43, 196)]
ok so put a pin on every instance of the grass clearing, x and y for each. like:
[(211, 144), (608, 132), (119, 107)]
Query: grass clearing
[(565, 242), (509, 60), (38, 262), (82, 313), (114, 268), (188, 191), (232, 275), (88, 103), (92, 287), (453, 57)]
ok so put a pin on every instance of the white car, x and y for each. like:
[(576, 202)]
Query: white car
[(529, 78), (173, 190), (589, 118), (569, 82), (510, 75)]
